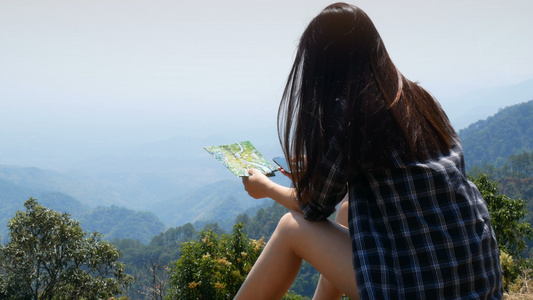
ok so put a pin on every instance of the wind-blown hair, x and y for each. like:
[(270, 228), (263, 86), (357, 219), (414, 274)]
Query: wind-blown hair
[(341, 56)]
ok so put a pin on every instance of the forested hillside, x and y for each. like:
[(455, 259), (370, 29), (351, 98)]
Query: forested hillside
[(12, 197), (111, 221), (491, 141), (515, 176), (119, 222), (91, 190), (218, 202)]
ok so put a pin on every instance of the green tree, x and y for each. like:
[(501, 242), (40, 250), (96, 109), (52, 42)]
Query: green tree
[(506, 217), (49, 256), (512, 231), (214, 267), (145, 262)]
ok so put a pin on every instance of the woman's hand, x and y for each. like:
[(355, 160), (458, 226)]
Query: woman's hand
[(293, 166), (258, 185), (285, 172)]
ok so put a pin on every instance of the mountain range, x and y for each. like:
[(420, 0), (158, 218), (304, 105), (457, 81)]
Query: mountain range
[(172, 182)]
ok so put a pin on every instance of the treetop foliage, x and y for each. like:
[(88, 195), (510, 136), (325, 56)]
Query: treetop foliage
[(49, 256), (507, 217), (214, 267)]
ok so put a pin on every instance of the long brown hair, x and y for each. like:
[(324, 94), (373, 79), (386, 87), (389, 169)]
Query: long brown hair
[(341, 56)]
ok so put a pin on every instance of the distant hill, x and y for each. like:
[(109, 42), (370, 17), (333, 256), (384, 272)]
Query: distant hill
[(218, 202), (119, 222), (91, 190), (106, 209), (111, 221), (476, 105), (491, 141), (13, 196), (138, 177)]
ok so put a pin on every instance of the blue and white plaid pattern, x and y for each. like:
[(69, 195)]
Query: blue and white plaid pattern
[(418, 230)]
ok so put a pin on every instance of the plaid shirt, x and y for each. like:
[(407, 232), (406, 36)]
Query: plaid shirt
[(418, 230)]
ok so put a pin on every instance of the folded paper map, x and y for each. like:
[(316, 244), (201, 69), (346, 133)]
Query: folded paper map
[(240, 157)]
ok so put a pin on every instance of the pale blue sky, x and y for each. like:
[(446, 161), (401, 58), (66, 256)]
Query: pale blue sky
[(95, 74)]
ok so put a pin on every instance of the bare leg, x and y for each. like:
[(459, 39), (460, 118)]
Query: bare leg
[(325, 290), (342, 212), (325, 245)]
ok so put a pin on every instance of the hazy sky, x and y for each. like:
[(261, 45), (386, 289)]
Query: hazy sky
[(94, 74)]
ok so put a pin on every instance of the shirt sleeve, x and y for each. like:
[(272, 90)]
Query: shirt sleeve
[(331, 187)]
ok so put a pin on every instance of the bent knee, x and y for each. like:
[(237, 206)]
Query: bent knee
[(290, 222), (292, 216)]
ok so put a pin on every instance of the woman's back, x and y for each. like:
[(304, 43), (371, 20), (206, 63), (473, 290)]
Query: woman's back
[(422, 230)]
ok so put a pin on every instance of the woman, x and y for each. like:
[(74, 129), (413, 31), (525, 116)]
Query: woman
[(352, 123)]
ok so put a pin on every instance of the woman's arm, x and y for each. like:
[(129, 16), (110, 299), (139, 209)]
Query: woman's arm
[(260, 186)]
